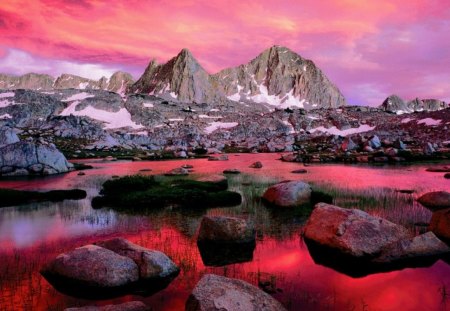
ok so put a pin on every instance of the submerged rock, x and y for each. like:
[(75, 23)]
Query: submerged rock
[(177, 172), (440, 224), (93, 267), (288, 194), (152, 264), (232, 171), (299, 171), (256, 164), (126, 306), (225, 229), (444, 169), (435, 200), (351, 232), (214, 293)]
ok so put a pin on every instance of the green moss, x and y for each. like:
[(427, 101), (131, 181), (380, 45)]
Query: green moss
[(10, 197), (128, 183)]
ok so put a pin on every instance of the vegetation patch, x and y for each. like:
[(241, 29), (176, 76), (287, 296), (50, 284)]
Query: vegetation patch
[(143, 192), (10, 197)]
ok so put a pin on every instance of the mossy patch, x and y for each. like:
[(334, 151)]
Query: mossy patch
[(143, 192), (10, 197)]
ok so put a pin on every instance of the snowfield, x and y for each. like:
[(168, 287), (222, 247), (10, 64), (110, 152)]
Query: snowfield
[(213, 126), (429, 121), (79, 96), (335, 131), (6, 95)]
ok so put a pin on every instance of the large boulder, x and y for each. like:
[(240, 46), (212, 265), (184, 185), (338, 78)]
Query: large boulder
[(32, 158), (152, 264), (126, 306), (435, 200), (214, 293), (440, 224), (288, 193), (351, 232), (8, 136), (225, 229), (93, 267)]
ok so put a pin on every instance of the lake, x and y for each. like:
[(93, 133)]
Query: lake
[(33, 234)]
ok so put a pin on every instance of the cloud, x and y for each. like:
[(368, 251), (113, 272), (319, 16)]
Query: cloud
[(392, 46)]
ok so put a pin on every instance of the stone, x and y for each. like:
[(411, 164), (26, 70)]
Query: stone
[(440, 224), (218, 293), (225, 229), (93, 266), (351, 232), (375, 142), (256, 164), (126, 306), (290, 157), (435, 200), (152, 264), (288, 194), (447, 176)]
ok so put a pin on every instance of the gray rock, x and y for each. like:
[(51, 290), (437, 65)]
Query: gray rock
[(8, 136), (152, 264), (225, 229), (351, 232), (218, 293), (288, 194), (93, 266)]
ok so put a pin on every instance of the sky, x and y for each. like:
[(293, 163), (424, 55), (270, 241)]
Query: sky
[(369, 49)]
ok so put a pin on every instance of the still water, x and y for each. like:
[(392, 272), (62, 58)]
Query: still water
[(31, 235)]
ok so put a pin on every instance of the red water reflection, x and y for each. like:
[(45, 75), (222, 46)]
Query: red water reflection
[(282, 258)]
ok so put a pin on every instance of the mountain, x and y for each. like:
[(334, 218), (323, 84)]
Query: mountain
[(118, 82), (395, 104), (32, 81), (182, 77), (280, 77), (277, 77)]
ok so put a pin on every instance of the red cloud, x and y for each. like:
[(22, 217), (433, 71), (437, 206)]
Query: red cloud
[(374, 47)]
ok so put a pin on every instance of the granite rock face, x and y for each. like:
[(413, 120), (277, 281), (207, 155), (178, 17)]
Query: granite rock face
[(181, 78), (395, 104), (279, 74), (32, 81)]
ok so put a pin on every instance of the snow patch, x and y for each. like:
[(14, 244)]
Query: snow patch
[(7, 94), (176, 119), (148, 105), (292, 130), (406, 120), (5, 103), (213, 126), (204, 116), (172, 94), (335, 131), (83, 85), (79, 96), (429, 121), (5, 116)]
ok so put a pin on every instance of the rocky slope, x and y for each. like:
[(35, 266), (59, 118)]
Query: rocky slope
[(117, 83), (395, 104)]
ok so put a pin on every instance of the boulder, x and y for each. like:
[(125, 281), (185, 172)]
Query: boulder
[(225, 229), (256, 164), (126, 306), (419, 247), (351, 232), (375, 142), (214, 178), (93, 267), (8, 136), (214, 293), (290, 157), (440, 224), (443, 169), (348, 144), (435, 200), (26, 157), (288, 193), (447, 176), (152, 264)]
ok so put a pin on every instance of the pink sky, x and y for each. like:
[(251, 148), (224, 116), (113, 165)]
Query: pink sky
[(369, 49)]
